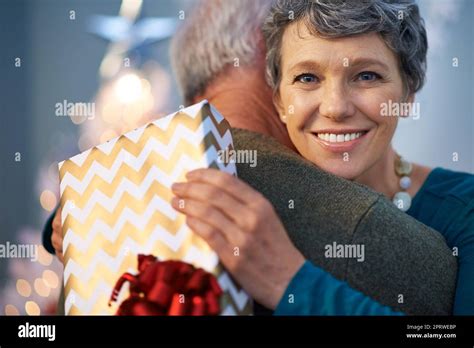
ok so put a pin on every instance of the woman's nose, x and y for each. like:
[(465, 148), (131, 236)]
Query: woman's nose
[(335, 103)]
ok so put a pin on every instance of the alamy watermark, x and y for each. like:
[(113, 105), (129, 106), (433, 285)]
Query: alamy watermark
[(400, 109), (28, 330), (19, 251), (66, 108), (238, 156), (345, 251)]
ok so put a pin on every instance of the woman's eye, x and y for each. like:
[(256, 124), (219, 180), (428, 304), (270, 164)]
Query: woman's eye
[(368, 76), (306, 78)]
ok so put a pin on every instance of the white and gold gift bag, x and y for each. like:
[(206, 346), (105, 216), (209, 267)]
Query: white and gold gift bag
[(115, 201)]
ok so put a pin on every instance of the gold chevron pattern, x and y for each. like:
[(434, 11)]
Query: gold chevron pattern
[(115, 201)]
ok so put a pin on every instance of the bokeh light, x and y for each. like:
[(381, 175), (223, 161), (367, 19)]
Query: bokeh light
[(23, 287), (41, 287), (32, 308), (111, 112), (44, 257), (11, 310), (128, 88), (48, 200), (51, 279), (107, 135)]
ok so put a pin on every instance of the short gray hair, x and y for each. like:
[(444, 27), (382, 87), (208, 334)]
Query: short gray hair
[(397, 21), (213, 35)]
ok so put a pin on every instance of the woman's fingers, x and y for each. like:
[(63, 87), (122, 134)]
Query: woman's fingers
[(60, 256), (229, 183), (57, 241), (234, 209), (210, 215), (212, 236), (56, 236)]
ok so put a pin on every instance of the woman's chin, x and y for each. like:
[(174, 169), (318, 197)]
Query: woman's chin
[(344, 170)]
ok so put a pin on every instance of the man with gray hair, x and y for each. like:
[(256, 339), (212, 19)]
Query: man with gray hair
[(219, 54)]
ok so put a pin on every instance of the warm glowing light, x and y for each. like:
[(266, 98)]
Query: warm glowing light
[(11, 310), (44, 257), (148, 103), (146, 86), (51, 279), (41, 287), (32, 308), (23, 287), (107, 135), (111, 112), (132, 114), (48, 200), (128, 88)]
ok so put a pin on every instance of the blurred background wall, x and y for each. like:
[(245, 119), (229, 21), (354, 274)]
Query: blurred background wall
[(61, 60), (446, 123)]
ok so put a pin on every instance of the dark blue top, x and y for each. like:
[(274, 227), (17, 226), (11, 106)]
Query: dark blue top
[(445, 202)]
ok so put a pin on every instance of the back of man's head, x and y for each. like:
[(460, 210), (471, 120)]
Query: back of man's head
[(214, 35)]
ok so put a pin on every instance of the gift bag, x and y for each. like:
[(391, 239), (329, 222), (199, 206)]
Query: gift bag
[(115, 201)]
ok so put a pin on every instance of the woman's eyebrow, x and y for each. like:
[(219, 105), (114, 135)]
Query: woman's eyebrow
[(305, 65), (360, 62)]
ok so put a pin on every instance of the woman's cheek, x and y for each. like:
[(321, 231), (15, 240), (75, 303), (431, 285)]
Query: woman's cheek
[(288, 110), (371, 106), (299, 108)]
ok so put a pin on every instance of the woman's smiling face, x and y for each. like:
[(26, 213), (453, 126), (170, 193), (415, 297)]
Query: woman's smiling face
[(330, 97)]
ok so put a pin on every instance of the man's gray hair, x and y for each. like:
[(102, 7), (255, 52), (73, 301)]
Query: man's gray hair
[(397, 21), (214, 34)]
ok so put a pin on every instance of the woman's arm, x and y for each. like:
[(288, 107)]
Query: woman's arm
[(461, 237), (313, 291)]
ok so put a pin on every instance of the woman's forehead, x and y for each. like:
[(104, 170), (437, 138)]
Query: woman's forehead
[(299, 44)]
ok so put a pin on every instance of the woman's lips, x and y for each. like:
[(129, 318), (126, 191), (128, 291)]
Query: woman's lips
[(339, 147)]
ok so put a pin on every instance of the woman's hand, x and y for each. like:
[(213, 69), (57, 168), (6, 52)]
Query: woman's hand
[(244, 230)]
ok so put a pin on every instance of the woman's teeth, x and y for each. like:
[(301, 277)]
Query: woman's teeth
[(339, 138)]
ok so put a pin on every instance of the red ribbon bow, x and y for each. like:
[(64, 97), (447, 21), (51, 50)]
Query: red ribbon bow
[(168, 288)]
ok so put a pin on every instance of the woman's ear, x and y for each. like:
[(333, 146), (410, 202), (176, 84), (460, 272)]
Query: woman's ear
[(407, 106), (279, 107)]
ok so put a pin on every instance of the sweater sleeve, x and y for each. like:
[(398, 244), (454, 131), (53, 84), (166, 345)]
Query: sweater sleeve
[(47, 232), (313, 291), (461, 236)]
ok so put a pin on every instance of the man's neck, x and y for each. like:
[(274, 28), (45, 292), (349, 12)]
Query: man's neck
[(245, 100)]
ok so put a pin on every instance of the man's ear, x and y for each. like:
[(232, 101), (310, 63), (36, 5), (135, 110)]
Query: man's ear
[(279, 107)]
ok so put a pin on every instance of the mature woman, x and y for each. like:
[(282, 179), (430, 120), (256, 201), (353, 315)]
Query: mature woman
[(335, 67)]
